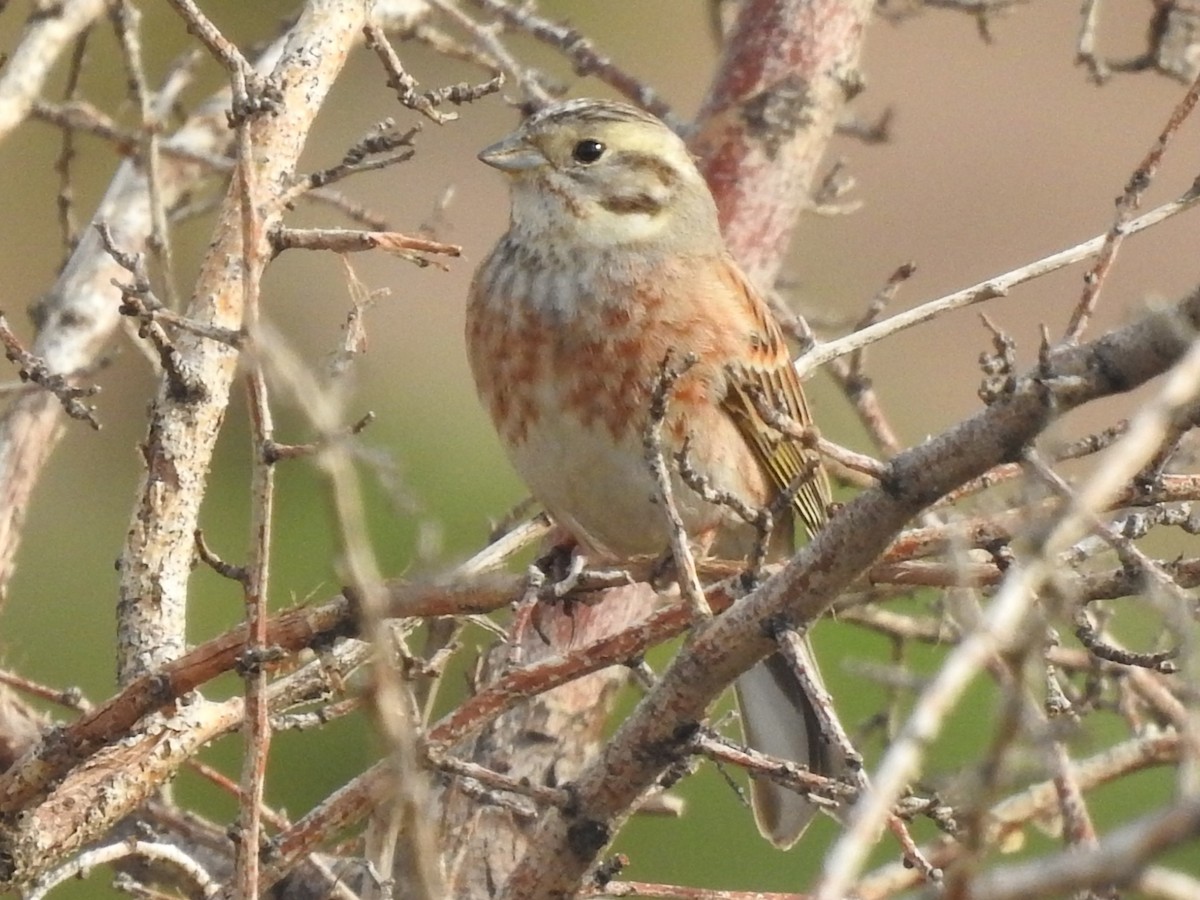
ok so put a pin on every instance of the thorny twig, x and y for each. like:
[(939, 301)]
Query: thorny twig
[(32, 369), (405, 85), (810, 437), (492, 54), (585, 58), (65, 200), (377, 149), (1004, 616), (762, 519), (1127, 204), (685, 562), (138, 301), (897, 572)]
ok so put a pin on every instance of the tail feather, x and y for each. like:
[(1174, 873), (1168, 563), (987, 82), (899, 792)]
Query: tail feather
[(779, 718)]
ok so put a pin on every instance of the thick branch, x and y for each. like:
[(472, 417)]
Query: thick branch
[(78, 315), (45, 37), (110, 721), (157, 558), (787, 70), (655, 735)]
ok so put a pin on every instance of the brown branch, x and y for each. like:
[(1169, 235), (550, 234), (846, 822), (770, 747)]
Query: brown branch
[(404, 799), (344, 807), (71, 697), (584, 57), (405, 85), (342, 240), (1127, 205), (253, 664), (604, 888), (820, 789), (681, 550), (113, 719), (1003, 628), (1011, 815), (491, 53), (379, 148), (537, 678), (568, 843)]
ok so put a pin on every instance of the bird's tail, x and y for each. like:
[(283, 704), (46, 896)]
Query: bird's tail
[(779, 718)]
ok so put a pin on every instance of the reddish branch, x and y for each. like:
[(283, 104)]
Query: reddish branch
[(344, 240), (786, 72), (114, 719)]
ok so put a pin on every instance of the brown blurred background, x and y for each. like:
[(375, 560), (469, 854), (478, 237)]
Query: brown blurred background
[(999, 153)]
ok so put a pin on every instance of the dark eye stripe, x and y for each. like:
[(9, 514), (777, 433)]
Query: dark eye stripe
[(660, 168), (632, 203)]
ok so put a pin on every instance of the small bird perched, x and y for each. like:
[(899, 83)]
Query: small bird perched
[(614, 262)]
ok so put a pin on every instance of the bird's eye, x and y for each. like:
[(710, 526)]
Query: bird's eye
[(588, 151)]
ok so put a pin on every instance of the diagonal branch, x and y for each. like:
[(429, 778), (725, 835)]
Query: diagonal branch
[(46, 35), (997, 286), (570, 841)]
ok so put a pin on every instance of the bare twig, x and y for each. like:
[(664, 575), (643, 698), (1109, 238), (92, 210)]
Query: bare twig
[(494, 55), (685, 562), (1003, 619), (148, 851), (406, 791), (33, 369), (1102, 866), (274, 452), (256, 587), (341, 240), (734, 641), (405, 85), (126, 19), (999, 286), (66, 155), (71, 697), (1127, 203), (585, 58)]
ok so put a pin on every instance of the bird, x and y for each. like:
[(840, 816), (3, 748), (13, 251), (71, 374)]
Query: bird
[(613, 264)]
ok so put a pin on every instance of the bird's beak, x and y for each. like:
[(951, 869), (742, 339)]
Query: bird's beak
[(512, 155)]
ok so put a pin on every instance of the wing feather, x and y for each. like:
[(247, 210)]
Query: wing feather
[(769, 373)]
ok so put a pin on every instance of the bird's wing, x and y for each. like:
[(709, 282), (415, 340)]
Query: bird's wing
[(768, 372)]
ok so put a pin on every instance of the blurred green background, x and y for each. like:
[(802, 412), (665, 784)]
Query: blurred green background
[(1000, 153)]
